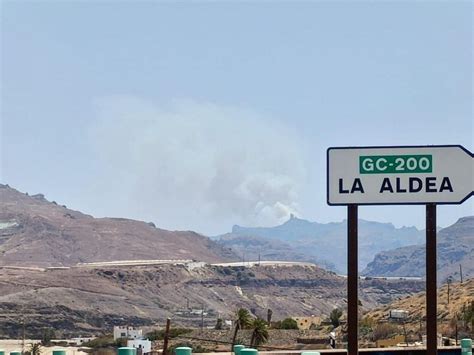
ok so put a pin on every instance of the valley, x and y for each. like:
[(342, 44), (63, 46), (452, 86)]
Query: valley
[(77, 274)]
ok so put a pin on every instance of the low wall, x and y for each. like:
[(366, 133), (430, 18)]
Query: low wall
[(445, 350), (448, 350)]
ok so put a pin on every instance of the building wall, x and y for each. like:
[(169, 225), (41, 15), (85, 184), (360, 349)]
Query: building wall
[(127, 332), (304, 323), (79, 341), (385, 343)]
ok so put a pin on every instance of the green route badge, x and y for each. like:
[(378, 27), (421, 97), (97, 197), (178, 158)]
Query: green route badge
[(395, 164)]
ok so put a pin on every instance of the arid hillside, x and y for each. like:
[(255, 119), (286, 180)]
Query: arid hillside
[(460, 295), (36, 232), (91, 300), (455, 310)]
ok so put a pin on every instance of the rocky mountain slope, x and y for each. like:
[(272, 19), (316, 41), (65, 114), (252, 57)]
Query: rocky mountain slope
[(460, 295), (92, 300), (455, 247), (36, 234), (324, 244), (457, 309), (34, 231)]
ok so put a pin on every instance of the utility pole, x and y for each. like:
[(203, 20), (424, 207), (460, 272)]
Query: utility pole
[(456, 328), (421, 329), (449, 281), (23, 335), (460, 271), (405, 332), (202, 316), (166, 337), (22, 322)]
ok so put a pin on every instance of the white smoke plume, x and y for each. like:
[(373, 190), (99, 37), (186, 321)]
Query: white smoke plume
[(196, 165)]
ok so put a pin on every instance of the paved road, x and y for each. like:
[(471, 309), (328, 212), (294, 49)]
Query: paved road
[(388, 277), (196, 264), (265, 263)]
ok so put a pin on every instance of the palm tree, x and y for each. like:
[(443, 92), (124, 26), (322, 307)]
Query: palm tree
[(260, 332), (242, 321), (35, 349)]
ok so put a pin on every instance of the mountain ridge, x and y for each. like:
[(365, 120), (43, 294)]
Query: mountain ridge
[(322, 243), (455, 245), (36, 232)]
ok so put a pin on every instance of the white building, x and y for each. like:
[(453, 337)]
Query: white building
[(127, 332), (80, 340), (399, 314), (141, 345), (439, 339)]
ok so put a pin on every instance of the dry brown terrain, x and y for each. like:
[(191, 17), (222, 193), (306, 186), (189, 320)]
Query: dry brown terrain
[(90, 301), (36, 232), (460, 295)]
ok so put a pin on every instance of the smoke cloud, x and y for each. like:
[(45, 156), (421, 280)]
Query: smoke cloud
[(195, 165)]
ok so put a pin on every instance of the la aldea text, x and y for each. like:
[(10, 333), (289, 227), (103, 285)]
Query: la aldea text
[(399, 185)]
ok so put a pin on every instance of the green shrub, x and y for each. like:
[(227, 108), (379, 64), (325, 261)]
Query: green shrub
[(47, 335), (160, 334), (101, 342), (196, 348), (385, 331), (219, 324), (336, 313), (288, 323)]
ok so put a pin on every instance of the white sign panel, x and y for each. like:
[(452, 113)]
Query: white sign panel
[(399, 175)]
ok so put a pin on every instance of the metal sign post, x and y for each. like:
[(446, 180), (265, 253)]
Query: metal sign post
[(431, 284), (417, 175), (352, 281)]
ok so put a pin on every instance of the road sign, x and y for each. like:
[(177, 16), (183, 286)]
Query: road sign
[(399, 175)]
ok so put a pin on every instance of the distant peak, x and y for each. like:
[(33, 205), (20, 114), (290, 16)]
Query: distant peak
[(295, 220), (467, 219), (236, 228)]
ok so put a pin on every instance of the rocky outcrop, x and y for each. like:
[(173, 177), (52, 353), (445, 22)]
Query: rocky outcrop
[(324, 244), (455, 246)]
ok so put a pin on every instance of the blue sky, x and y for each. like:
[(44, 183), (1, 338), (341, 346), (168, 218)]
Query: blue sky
[(200, 115)]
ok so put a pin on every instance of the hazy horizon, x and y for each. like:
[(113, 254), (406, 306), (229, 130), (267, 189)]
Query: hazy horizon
[(202, 115)]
